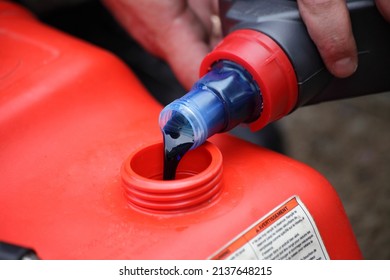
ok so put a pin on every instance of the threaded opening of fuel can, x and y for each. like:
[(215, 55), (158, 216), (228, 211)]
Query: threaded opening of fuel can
[(198, 179)]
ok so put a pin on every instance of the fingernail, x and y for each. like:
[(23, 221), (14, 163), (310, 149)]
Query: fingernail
[(344, 67)]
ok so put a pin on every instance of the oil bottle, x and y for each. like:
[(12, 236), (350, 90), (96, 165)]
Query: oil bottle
[(267, 66)]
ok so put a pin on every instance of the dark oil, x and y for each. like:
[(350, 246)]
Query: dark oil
[(178, 139)]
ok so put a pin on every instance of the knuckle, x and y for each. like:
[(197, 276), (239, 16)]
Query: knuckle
[(321, 6)]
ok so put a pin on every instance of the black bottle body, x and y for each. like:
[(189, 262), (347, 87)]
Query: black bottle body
[(280, 20)]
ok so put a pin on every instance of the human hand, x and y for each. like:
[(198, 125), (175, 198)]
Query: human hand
[(179, 31), (329, 26)]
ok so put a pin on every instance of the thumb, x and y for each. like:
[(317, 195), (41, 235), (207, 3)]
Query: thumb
[(184, 45), (184, 54)]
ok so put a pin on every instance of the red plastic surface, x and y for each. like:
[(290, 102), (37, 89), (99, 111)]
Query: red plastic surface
[(70, 116), (269, 66)]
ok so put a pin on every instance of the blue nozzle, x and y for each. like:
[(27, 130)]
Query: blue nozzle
[(223, 98)]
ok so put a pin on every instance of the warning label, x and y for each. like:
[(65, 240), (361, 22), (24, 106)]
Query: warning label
[(286, 233)]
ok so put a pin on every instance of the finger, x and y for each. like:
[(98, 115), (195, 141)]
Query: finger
[(207, 12), (184, 47), (384, 8), (203, 10), (329, 26), (185, 61)]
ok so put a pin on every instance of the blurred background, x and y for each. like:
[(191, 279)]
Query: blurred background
[(347, 141)]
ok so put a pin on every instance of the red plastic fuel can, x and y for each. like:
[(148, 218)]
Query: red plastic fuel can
[(81, 165)]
